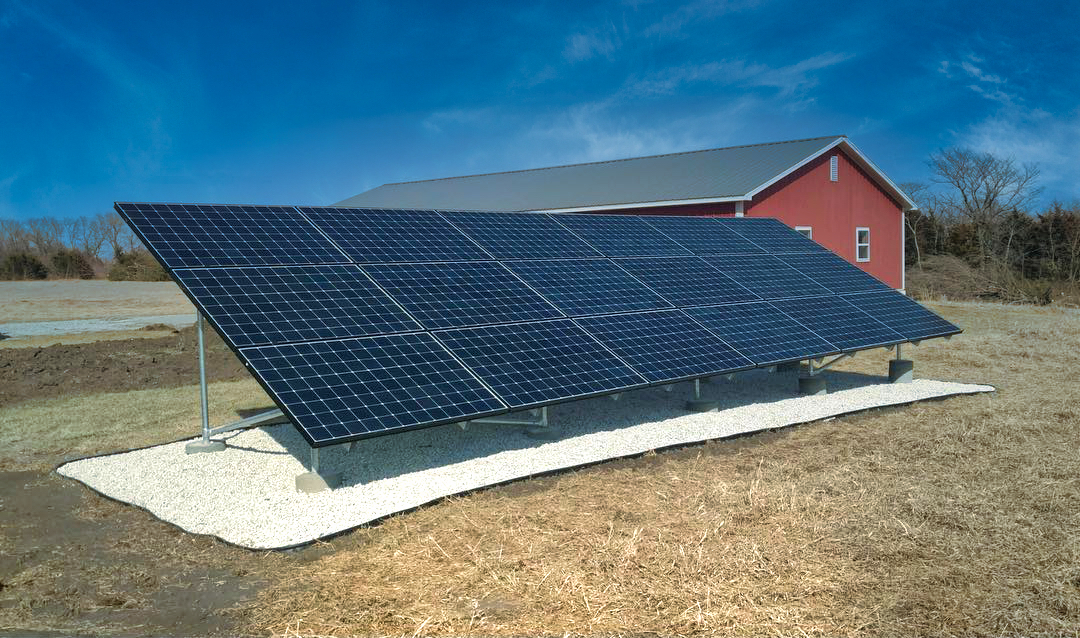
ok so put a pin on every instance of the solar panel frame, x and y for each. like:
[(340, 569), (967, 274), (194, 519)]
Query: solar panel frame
[(665, 346), (366, 367), (834, 273), (580, 287), (459, 294), (762, 332), (276, 235), (903, 314), (767, 276), (839, 322), (521, 235), (772, 235), (498, 355), (260, 305), (621, 235), (686, 281), (702, 235), (377, 235)]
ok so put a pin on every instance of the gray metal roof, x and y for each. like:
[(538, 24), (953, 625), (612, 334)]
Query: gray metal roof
[(723, 174)]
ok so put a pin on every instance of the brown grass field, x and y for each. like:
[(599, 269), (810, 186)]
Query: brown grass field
[(958, 517)]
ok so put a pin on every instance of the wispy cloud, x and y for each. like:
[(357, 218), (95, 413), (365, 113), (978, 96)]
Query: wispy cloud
[(787, 79), (674, 22), (1036, 136), (987, 85), (584, 46)]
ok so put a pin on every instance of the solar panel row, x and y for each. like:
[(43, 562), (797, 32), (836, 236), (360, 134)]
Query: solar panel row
[(366, 322)]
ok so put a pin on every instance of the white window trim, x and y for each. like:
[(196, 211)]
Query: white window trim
[(834, 168), (858, 245), (809, 231)]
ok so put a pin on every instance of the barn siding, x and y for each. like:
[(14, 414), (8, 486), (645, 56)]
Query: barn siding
[(835, 209)]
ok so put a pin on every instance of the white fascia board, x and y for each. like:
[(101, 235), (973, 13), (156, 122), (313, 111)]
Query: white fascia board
[(797, 166), (860, 159), (873, 169), (672, 202)]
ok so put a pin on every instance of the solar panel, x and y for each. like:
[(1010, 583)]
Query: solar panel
[(771, 234), (767, 276), (529, 364), (199, 235), (686, 281), (834, 273), (450, 295), (621, 235), (587, 286), (262, 305), (349, 389), (839, 322), (902, 314), (665, 346), (762, 333), (370, 236), (701, 235), (521, 235)]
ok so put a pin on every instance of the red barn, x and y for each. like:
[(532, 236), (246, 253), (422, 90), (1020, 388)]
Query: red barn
[(823, 187)]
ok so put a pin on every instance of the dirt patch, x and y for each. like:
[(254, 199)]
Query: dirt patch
[(64, 567), (113, 366)]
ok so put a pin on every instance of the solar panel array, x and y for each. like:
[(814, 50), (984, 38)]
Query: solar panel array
[(367, 322)]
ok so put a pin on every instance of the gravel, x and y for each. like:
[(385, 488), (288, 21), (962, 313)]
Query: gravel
[(245, 495), (78, 326)]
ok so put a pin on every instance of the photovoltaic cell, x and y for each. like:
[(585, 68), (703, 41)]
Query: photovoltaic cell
[(521, 235), (198, 235), (451, 295), (834, 273), (373, 235), (767, 276), (279, 304), (839, 322), (902, 314), (529, 364), (762, 333), (621, 235), (701, 235), (587, 286), (686, 281), (336, 391), (665, 345), (772, 235)]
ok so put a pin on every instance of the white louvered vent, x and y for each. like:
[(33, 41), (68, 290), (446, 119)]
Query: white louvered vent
[(834, 165)]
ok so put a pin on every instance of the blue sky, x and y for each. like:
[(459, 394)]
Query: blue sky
[(314, 102)]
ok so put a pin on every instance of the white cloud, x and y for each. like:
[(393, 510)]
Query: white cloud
[(978, 73), (788, 79), (988, 85), (674, 22), (1033, 136), (584, 46)]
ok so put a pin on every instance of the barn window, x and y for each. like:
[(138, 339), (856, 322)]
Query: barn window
[(805, 231), (862, 244), (834, 169)]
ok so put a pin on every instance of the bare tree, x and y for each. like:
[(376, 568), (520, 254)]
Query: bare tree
[(87, 235), (917, 192), (982, 189), (46, 234), (117, 234)]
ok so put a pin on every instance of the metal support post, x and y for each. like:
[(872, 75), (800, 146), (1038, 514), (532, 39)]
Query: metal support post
[(898, 357), (697, 404), (204, 444)]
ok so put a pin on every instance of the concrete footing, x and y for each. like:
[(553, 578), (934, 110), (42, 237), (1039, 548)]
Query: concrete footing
[(901, 370), (701, 405), (200, 446), (790, 366), (311, 482), (812, 385)]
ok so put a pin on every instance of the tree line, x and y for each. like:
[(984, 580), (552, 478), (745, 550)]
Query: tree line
[(983, 209), (74, 247)]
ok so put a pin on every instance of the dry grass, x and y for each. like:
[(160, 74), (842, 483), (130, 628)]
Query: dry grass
[(61, 300), (959, 517), (35, 434)]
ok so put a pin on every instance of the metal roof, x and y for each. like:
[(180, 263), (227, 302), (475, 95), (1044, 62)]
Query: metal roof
[(723, 174)]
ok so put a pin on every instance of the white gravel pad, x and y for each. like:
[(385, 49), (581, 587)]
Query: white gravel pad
[(246, 494)]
